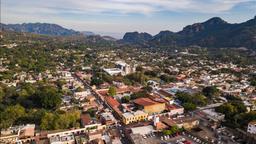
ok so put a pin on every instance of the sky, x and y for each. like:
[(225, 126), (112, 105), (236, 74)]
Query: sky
[(115, 17)]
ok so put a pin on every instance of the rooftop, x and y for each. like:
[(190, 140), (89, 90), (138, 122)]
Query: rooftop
[(144, 101), (112, 102)]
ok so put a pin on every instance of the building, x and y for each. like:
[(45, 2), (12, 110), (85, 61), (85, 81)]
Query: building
[(143, 130), (86, 119), (130, 117), (251, 127), (126, 69), (120, 68), (113, 71), (187, 122), (107, 118), (175, 109), (94, 135), (149, 106), (212, 115)]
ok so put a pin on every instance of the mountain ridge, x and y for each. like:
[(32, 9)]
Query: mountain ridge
[(40, 28), (214, 32)]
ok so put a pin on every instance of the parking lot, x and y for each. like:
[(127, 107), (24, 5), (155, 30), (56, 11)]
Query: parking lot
[(183, 138)]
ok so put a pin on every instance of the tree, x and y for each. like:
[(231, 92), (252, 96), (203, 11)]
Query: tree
[(112, 91), (199, 99), (2, 94), (189, 106), (174, 129), (61, 82), (138, 95), (228, 109), (46, 121), (53, 121), (91, 112), (49, 97), (125, 99), (10, 115), (167, 78), (96, 81), (211, 92)]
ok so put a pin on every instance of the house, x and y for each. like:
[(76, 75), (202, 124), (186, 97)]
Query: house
[(85, 119), (94, 135), (251, 127), (130, 117), (149, 106), (174, 109), (107, 118)]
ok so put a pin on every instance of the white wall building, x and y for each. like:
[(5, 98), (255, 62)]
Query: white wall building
[(252, 127)]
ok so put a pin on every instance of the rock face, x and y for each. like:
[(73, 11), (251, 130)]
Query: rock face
[(214, 32), (136, 38)]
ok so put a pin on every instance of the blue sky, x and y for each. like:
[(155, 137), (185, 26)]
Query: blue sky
[(119, 16)]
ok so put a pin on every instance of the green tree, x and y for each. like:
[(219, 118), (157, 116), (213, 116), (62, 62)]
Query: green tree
[(61, 82), (9, 116), (174, 129), (112, 91), (96, 81), (138, 95), (125, 99), (49, 97), (47, 121), (189, 106), (199, 99), (211, 92), (2, 94), (228, 109), (167, 78)]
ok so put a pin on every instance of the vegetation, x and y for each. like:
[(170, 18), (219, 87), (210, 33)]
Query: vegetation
[(54, 121), (112, 91), (211, 92), (173, 130), (28, 104), (253, 80), (125, 99), (236, 113), (190, 102)]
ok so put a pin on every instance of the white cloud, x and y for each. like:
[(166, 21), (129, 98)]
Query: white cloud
[(91, 14), (122, 6)]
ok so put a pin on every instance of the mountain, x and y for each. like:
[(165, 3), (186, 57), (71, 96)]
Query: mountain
[(218, 33), (164, 38), (87, 33), (136, 38), (109, 38), (214, 32), (40, 28)]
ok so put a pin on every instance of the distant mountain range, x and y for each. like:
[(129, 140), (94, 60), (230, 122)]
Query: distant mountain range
[(88, 33), (214, 32), (40, 28), (49, 29)]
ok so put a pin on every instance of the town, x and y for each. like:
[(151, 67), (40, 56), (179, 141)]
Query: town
[(124, 95)]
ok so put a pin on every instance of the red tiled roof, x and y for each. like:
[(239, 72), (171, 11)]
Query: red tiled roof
[(173, 106), (112, 102), (144, 101), (86, 119)]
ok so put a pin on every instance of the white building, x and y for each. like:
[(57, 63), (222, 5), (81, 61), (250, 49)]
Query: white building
[(252, 127), (120, 68), (215, 116)]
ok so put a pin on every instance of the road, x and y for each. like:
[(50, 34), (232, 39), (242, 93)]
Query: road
[(101, 101)]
